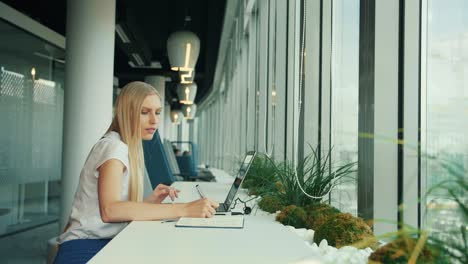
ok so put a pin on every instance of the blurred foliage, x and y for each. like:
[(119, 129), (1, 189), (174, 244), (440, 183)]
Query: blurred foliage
[(409, 247)]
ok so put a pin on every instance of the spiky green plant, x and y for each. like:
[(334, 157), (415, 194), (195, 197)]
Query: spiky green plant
[(316, 175), (262, 176)]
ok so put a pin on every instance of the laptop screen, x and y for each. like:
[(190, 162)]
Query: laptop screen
[(239, 178)]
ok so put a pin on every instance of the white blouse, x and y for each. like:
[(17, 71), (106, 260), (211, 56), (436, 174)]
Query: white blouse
[(85, 218)]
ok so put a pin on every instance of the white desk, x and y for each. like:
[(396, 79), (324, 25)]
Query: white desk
[(260, 241)]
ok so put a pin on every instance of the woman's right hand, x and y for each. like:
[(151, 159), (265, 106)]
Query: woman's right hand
[(202, 208)]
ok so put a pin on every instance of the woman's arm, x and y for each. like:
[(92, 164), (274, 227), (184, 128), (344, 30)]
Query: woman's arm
[(113, 209), (160, 193)]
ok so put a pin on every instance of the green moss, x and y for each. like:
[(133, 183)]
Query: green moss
[(343, 229), (400, 250), (292, 215), (318, 213), (271, 203)]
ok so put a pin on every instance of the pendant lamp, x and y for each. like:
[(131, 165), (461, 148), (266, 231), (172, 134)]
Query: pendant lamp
[(176, 116), (187, 93), (183, 48), (189, 111)]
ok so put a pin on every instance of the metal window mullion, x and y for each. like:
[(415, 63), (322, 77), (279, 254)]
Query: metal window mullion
[(412, 84), (366, 110), (280, 76), (312, 73), (325, 111), (292, 79), (423, 110)]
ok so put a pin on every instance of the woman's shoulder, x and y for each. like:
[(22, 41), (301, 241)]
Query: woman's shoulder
[(111, 141)]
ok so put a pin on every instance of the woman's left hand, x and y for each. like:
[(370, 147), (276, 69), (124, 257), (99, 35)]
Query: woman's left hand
[(162, 191)]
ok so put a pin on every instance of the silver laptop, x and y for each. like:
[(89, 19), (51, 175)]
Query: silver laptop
[(244, 168)]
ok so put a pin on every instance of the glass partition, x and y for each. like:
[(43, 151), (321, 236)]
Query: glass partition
[(31, 118)]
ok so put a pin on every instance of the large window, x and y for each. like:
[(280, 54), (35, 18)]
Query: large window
[(31, 115), (445, 108), (345, 97)]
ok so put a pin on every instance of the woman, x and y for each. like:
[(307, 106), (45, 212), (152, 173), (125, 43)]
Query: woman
[(110, 192)]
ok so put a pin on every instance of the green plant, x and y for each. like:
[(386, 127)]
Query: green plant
[(316, 175), (343, 229), (417, 246), (318, 213), (454, 243), (271, 203), (292, 215), (262, 176)]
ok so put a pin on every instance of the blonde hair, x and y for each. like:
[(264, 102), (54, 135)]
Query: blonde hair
[(126, 122)]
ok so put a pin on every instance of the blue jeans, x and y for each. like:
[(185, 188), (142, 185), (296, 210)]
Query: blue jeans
[(79, 250)]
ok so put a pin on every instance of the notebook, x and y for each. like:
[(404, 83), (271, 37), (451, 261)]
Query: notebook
[(217, 221)]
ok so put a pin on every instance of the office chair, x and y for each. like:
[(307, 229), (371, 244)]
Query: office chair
[(156, 163), (188, 164)]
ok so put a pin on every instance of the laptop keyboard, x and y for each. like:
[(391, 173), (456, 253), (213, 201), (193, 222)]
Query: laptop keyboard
[(221, 208)]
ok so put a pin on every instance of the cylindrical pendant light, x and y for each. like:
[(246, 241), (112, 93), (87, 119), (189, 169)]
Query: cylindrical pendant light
[(187, 93), (183, 48), (189, 111)]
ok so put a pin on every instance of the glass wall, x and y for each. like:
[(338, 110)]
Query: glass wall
[(31, 114), (445, 110), (345, 98)]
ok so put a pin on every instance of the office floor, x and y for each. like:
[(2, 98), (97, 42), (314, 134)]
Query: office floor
[(28, 247)]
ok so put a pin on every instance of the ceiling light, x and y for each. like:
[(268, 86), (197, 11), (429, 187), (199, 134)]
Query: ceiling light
[(123, 36), (187, 93), (189, 111), (138, 59), (183, 48), (187, 76), (156, 65), (176, 116)]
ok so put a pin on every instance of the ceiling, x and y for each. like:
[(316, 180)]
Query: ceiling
[(149, 23)]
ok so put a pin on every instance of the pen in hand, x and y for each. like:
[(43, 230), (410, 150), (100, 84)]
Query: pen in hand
[(202, 195)]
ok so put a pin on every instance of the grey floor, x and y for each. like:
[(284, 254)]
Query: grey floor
[(27, 247)]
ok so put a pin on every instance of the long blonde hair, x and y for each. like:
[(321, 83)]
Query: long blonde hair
[(126, 122)]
